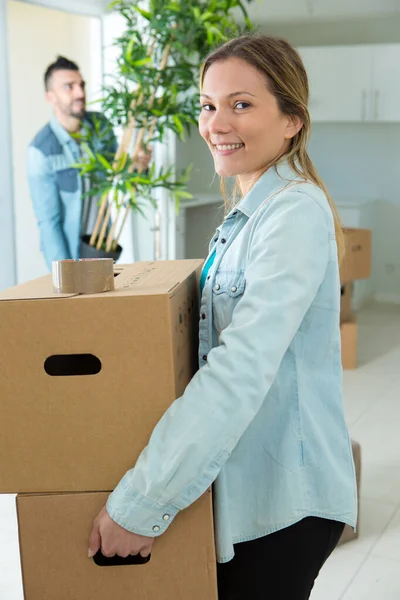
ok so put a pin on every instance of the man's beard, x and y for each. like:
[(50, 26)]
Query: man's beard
[(75, 112), (78, 114)]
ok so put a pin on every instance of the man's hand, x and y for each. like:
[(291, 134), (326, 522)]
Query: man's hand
[(143, 159), (112, 539)]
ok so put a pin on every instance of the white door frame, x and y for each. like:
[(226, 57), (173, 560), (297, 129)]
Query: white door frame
[(7, 221), (8, 270)]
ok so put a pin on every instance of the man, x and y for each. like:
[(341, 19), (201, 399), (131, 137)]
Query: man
[(56, 187)]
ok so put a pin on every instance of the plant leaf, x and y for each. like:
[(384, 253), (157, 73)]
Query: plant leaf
[(104, 162)]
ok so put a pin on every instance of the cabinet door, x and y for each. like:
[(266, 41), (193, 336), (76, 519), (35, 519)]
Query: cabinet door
[(386, 83), (340, 82)]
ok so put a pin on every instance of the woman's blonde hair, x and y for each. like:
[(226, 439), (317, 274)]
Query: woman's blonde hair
[(287, 80)]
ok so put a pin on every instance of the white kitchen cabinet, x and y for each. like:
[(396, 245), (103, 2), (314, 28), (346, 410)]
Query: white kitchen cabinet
[(386, 83), (340, 81), (354, 83)]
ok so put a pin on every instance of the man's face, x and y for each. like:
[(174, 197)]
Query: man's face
[(67, 94)]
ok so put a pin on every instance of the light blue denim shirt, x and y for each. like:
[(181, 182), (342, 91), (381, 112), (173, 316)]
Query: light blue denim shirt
[(56, 187), (263, 418)]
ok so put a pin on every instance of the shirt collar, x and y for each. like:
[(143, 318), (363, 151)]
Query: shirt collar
[(62, 134), (272, 181)]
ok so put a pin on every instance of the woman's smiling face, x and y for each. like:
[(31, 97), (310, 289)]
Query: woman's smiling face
[(241, 122)]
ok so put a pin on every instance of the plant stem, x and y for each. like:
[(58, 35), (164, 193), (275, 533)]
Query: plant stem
[(110, 236), (127, 210), (104, 227), (99, 218), (122, 148)]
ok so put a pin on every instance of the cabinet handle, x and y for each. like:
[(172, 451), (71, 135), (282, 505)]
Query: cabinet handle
[(364, 105), (376, 105)]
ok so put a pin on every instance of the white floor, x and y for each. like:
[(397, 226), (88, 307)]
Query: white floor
[(369, 568), (364, 569)]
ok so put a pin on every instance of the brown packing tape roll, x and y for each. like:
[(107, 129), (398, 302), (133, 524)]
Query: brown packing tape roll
[(84, 276), (65, 280)]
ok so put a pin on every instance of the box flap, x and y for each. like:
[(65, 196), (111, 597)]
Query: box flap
[(31, 290), (157, 277), (141, 278)]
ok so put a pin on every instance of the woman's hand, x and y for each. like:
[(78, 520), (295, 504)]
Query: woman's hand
[(112, 539)]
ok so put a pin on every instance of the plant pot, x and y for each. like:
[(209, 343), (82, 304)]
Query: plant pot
[(88, 251)]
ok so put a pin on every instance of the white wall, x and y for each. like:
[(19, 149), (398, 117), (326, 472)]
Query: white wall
[(284, 11), (358, 160), (356, 29), (36, 36), (360, 163)]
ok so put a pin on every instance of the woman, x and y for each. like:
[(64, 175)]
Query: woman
[(263, 417)]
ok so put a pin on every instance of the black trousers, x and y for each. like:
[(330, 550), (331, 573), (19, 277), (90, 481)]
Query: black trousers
[(279, 566)]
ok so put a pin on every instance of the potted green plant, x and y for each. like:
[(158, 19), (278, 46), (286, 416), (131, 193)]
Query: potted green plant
[(153, 91)]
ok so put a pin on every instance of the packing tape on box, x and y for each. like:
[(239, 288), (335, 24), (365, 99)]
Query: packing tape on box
[(83, 276)]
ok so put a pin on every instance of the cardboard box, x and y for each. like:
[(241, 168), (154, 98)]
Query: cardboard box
[(357, 260), (348, 333), (345, 302), (85, 379), (348, 533), (54, 531)]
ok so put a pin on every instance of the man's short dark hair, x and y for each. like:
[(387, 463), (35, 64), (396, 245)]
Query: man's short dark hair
[(61, 64)]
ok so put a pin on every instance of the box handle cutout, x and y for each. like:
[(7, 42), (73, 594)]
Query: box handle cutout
[(70, 365), (118, 561)]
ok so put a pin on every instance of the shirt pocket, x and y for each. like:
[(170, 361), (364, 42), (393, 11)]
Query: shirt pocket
[(67, 180), (228, 289)]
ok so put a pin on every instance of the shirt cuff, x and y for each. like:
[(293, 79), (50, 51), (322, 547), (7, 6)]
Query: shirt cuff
[(138, 514)]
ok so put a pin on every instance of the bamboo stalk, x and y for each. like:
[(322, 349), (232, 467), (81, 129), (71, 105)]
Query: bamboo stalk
[(104, 227), (110, 237), (99, 218), (138, 143), (123, 147), (115, 243)]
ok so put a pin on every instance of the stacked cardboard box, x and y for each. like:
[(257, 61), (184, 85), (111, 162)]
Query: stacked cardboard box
[(356, 265), (84, 380)]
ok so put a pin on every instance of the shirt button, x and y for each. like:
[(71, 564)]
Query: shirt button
[(223, 241), (216, 239), (205, 357), (156, 528), (217, 287), (234, 289), (166, 517), (203, 316)]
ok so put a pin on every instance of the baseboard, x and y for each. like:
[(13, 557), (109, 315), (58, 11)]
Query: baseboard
[(387, 297)]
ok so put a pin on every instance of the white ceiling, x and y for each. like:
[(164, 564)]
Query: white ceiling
[(265, 11)]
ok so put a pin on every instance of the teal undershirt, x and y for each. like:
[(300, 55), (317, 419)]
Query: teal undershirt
[(205, 271)]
